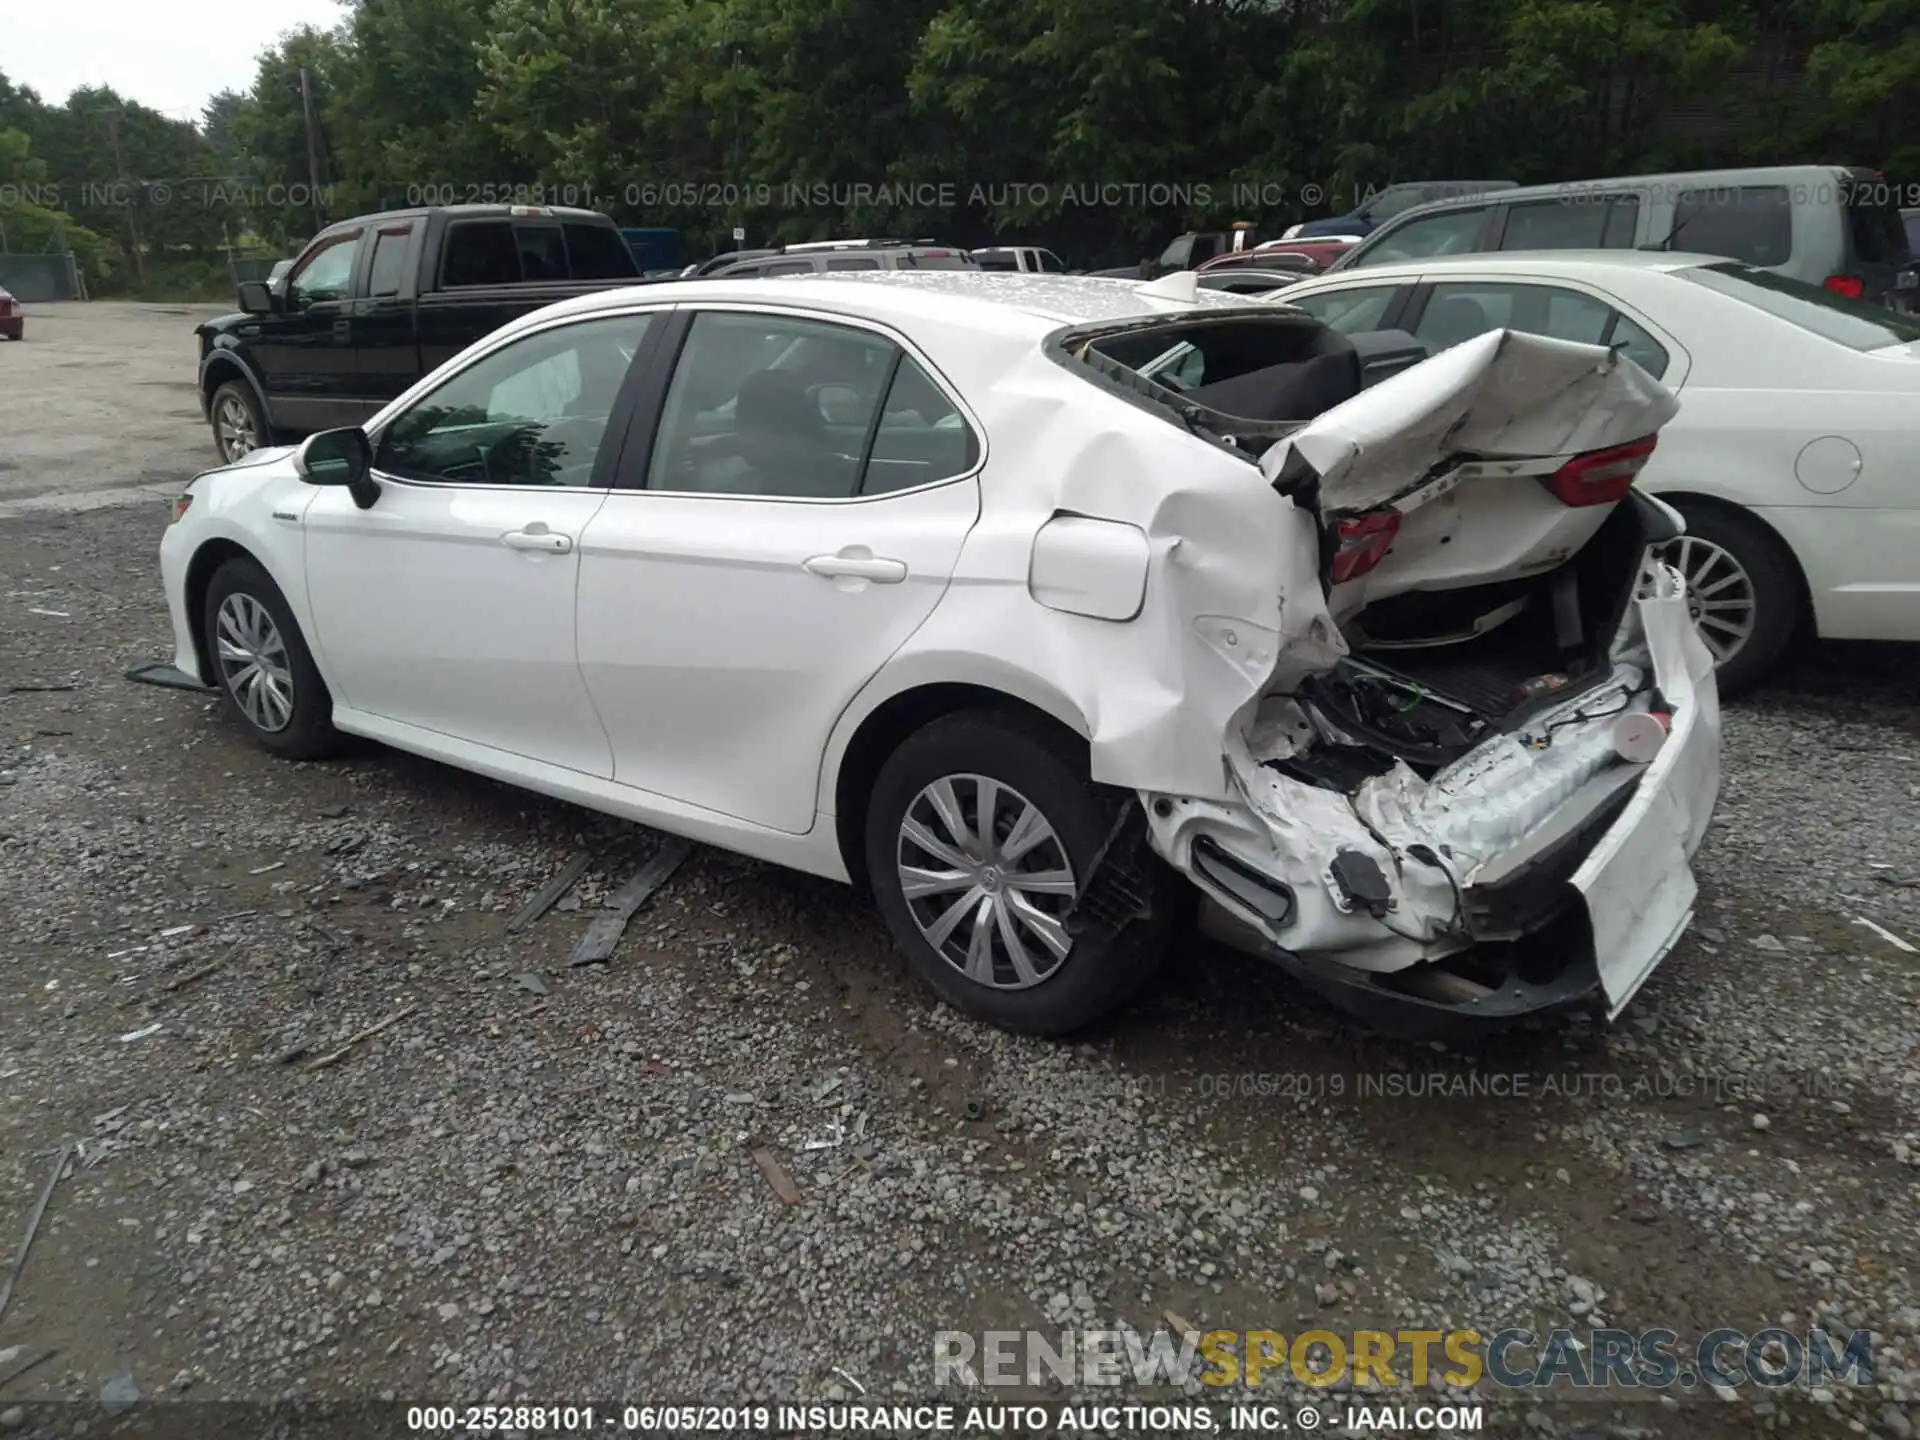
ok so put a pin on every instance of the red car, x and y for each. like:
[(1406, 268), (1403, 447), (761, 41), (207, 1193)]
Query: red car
[(13, 320), (1320, 252)]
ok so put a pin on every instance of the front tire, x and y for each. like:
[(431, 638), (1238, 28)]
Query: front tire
[(1743, 589), (261, 664), (982, 830), (239, 428)]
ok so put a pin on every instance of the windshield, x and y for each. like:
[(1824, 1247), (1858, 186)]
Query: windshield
[(1857, 324)]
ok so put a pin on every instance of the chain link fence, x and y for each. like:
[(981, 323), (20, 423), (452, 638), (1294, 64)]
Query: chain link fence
[(41, 277)]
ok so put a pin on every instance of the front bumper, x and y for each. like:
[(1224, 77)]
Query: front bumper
[(175, 554), (1569, 890)]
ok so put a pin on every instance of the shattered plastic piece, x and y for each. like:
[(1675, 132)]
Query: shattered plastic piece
[(777, 1176), (269, 869), (1886, 935), (549, 894), (33, 1228), (532, 983), (605, 932), (142, 1033), (834, 1138), (367, 1034)]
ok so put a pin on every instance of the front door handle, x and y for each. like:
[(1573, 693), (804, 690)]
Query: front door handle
[(539, 539), (342, 329), (856, 562)]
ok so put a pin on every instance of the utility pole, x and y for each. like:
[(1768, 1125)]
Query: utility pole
[(120, 170), (313, 148)]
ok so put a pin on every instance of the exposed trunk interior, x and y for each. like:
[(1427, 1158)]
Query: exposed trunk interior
[(1434, 674)]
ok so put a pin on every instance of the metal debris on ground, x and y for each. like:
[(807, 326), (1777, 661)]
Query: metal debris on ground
[(548, 895), (268, 869), (532, 983), (975, 1109), (1886, 935), (33, 1228), (12, 1375), (835, 1136), (142, 1033), (1181, 1325), (367, 1034), (849, 1379), (603, 935), (777, 1176), (38, 689)]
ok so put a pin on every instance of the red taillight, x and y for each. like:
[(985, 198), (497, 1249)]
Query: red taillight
[(1601, 477), (1364, 543), (1851, 286), (180, 504)]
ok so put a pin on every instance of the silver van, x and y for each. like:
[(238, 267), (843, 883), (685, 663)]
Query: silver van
[(1829, 225)]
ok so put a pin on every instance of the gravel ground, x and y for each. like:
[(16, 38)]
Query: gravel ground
[(539, 1184)]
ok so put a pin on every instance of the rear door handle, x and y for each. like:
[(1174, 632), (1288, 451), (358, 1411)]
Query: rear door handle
[(539, 539), (342, 329), (856, 562)]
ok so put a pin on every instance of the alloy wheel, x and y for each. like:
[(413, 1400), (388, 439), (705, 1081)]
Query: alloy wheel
[(1720, 593), (233, 426), (987, 879), (253, 662)]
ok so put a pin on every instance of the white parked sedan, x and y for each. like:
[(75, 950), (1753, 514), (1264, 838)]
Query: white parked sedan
[(916, 581), (1792, 458)]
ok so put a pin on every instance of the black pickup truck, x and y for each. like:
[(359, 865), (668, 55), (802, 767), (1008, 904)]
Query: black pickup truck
[(376, 302)]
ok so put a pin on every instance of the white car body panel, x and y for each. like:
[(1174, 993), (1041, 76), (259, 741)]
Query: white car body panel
[(1757, 392), (680, 665)]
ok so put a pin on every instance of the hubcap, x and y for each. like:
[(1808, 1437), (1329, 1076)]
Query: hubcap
[(234, 425), (987, 879), (253, 662), (1720, 594)]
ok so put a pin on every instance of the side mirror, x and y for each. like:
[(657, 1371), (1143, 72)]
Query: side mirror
[(340, 457), (256, 297)]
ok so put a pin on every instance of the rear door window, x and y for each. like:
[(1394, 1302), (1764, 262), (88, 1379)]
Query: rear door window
[(480, 252), (1753, 223), (934, 260), (1457, 232), (858, 262), (789, 267), (1577, 222)]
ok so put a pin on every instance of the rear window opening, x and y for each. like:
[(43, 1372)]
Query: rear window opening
[(1243, 380), (1857, 324)]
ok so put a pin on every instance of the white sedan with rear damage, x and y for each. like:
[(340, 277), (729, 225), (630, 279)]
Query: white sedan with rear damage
[(916, 581)]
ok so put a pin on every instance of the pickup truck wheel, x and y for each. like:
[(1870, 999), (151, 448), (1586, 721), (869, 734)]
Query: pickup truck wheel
[(261, 663), (981, 831), (238, 426)]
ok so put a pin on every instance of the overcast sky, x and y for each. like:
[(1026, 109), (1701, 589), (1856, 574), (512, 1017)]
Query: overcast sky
[(169, 54)]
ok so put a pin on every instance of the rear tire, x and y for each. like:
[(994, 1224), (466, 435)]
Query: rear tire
[(1739, 577), (266, 676), (982, 925)]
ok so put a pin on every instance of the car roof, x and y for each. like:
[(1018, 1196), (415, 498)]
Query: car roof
[(1028, 304), (1699, 179), (1585, 264)]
